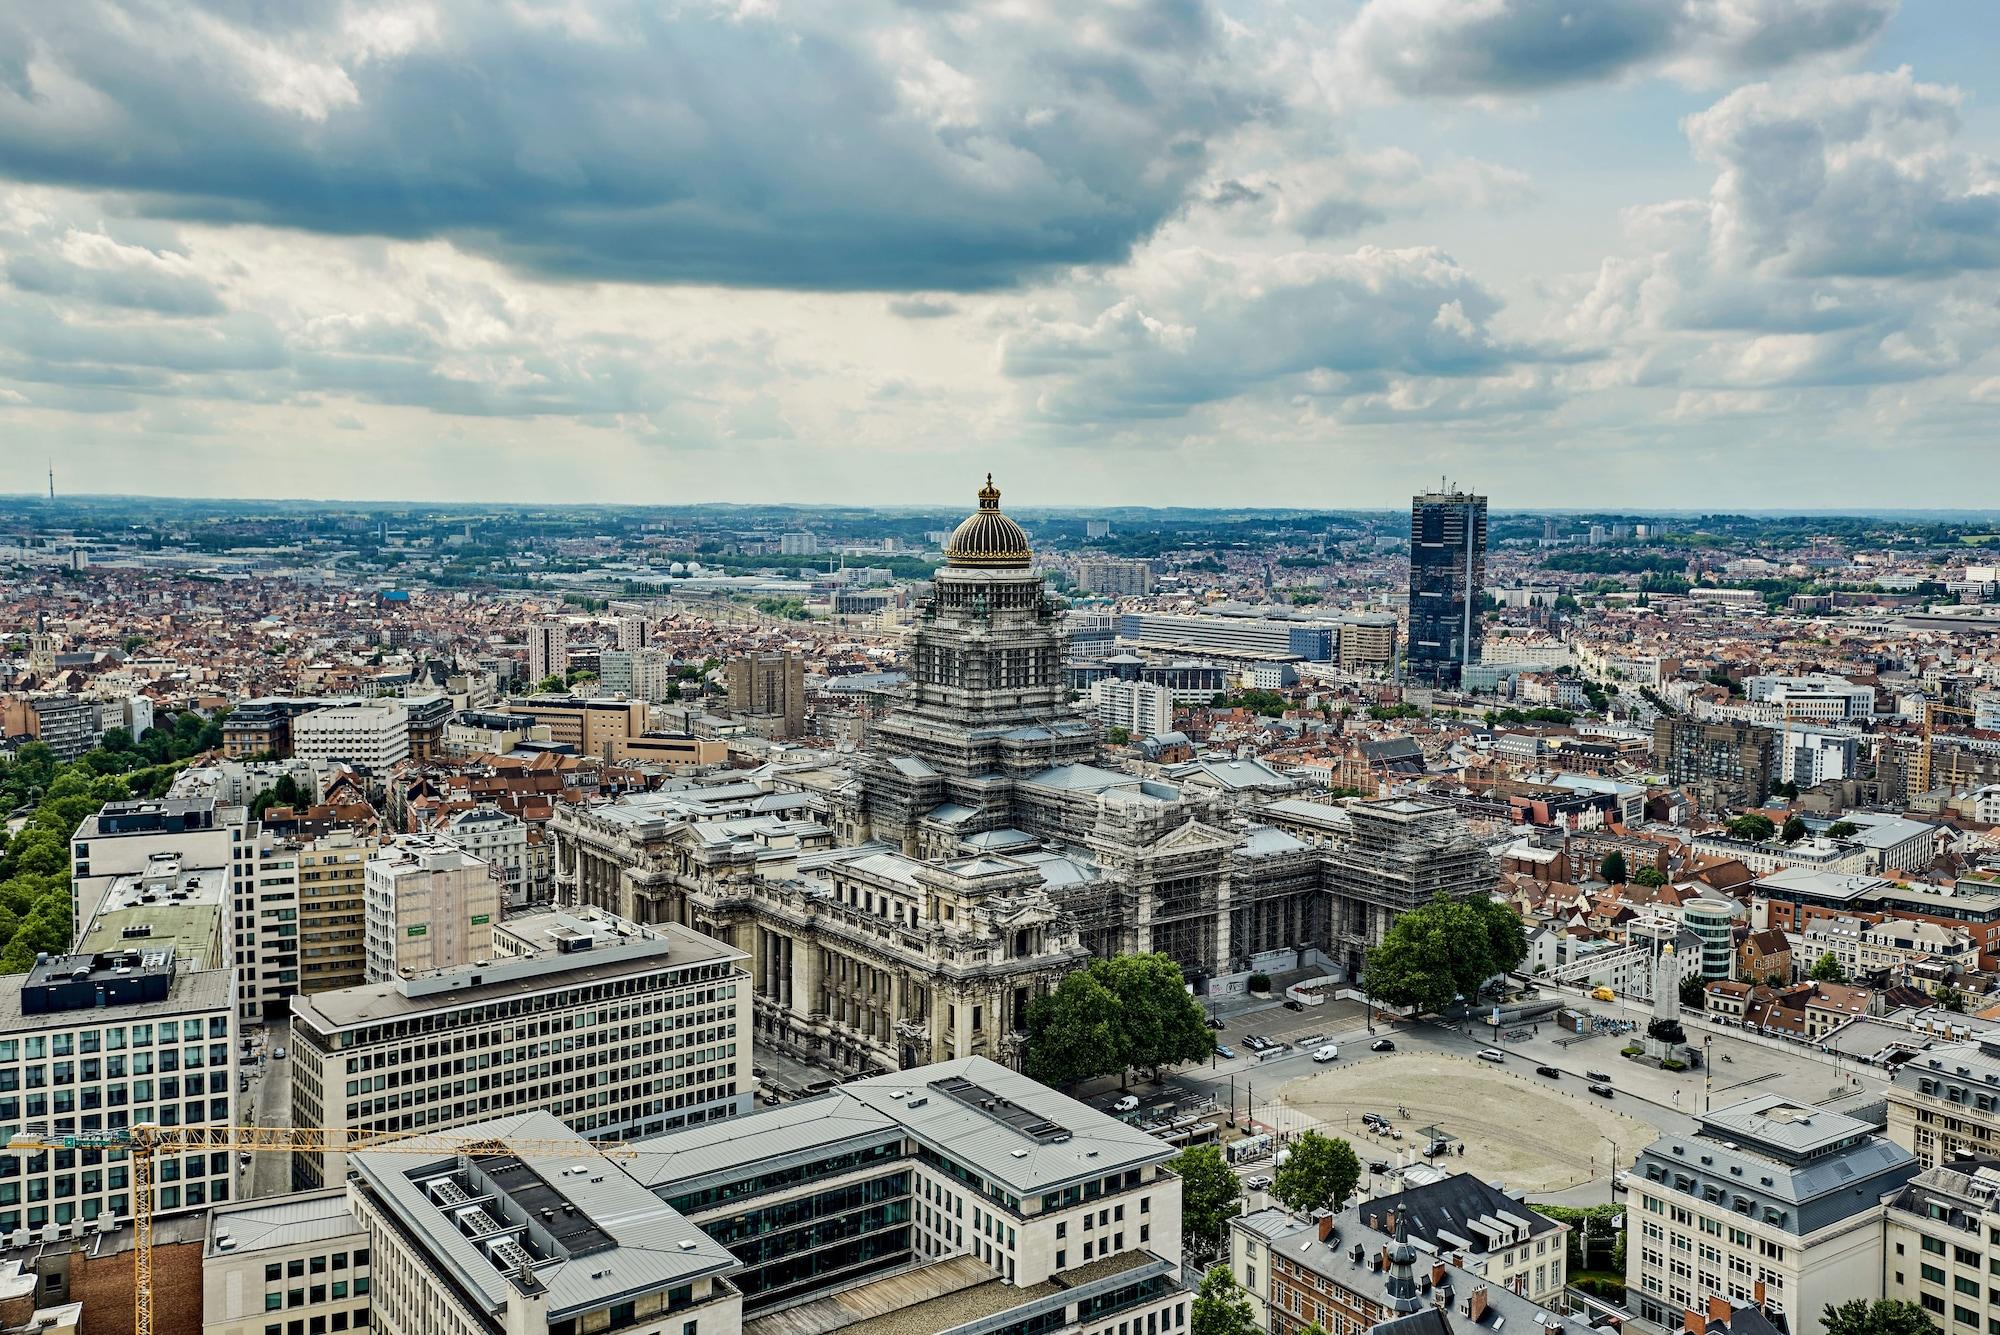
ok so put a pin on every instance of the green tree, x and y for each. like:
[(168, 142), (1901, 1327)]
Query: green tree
[(1320, 1173), (1694, 993), (1440, 951), (1882, 1316), (1221, 1307), (1073, 1032), (1211, 1196), (1842, 829), (1649, 876), (1755, 827), (1118, 736), (1795, 830), (117, 739), (1826, 969), (1159, 1021), (1612, 869), (551, 685), (1951, 998)]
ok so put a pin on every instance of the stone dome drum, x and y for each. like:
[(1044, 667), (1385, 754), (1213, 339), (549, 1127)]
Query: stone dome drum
[(988, 539)]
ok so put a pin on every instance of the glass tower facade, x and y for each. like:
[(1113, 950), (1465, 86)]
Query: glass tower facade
[(1447, 572)]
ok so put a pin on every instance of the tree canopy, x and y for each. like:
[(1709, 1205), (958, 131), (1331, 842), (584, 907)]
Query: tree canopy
[(1649, 876), (1221, 1307), (1755, 827), (1826, 969), (1211, 1196), (1795, 830), (1114, 1015), (1440, 951), (1883, 1316), (1320, 1173), (1612, 869)]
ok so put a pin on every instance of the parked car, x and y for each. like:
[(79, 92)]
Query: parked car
[(279, 1054), (1383, 1045), (1126, 1103), (1599, 1076), (1378, 1165), (1602, 1091), (1292, 1005), (1214, 1023), (1224, 1051), (1258, 1183), (1374, 1121), (1492, 1055), (1326, 1054), (1437, 1148), (1549, 1071)]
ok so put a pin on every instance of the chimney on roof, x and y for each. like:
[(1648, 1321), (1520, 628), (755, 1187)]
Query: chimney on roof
[(1437, 1273), (1692, 1323), (1475, 1304), (1757, 1294), (1325, 1227), (1718, 1308), (1382, 1258)]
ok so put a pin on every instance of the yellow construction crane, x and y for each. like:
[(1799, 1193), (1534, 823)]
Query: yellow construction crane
[(148, 1140), (1931, 709)]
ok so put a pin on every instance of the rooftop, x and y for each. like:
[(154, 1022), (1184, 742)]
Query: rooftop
[(277, 1222)]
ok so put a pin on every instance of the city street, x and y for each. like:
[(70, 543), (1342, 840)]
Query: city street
[(267, 1104)]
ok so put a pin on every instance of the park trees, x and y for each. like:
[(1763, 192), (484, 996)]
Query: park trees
[(1320, 1173), (1114, 1015), (1211, 1196)]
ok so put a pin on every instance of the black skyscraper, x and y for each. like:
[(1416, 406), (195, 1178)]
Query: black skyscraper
[(1447, 573)]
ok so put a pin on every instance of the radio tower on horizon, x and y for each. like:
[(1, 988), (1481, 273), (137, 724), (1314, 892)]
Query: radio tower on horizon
[(52, 482)]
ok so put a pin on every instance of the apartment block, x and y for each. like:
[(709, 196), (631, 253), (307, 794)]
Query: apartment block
[(589, 727), (427, 904), (332, 910), (1769, 1201), (105, 1042), (768, 692), (548, 651), (498, 839), (1731, 764), (374, 737), (620, 1030), (286, 1265), (66, 724), (1142, 708), (636, 674), (1114, 577)]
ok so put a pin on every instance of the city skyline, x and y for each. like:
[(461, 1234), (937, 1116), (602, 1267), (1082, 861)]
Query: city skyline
[(1703, 253)]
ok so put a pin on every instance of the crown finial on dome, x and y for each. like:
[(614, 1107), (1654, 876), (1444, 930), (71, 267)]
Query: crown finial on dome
[(989, 495)]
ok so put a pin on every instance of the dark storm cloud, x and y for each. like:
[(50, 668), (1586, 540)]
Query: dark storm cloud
[(865, 146)]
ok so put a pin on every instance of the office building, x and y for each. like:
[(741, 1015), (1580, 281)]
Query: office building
[(548, 651), (636, 674), (521, 1244), (425, 717), (66, 724), (1941, 1244), (1113, 577), (622, 1031), (263, 727), (1368, 642), (1092, 635), (498, 839), (266, 923), (299, 1258), (333, 881), (1447, 573), (590, 727), (1814, 698), (1713, 922), (1141, 708), (768, 692), (371, 737), (798, 544), (1248, 638), (1727, 764), (168, 905), (1768, 1201), (122, 838), (427, 905), (1944, 1103), (105, 1042), (634, 633)]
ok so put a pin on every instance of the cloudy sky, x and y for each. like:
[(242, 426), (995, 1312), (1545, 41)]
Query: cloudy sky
[(1725, 253)]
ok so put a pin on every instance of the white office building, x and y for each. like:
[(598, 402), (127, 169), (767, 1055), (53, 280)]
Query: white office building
[(636, 674), (1808, 756), (298, 1258), (620, 1030), (97, 1044), (500, 840), (374, 737), (1815, 697)]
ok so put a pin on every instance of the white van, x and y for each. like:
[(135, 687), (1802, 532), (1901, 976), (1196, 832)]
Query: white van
[(1326, 1053)]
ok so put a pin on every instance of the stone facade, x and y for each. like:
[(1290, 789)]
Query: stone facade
[(980, 852)]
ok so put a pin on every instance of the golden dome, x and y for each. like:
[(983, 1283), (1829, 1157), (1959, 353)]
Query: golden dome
[(988, 539)]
